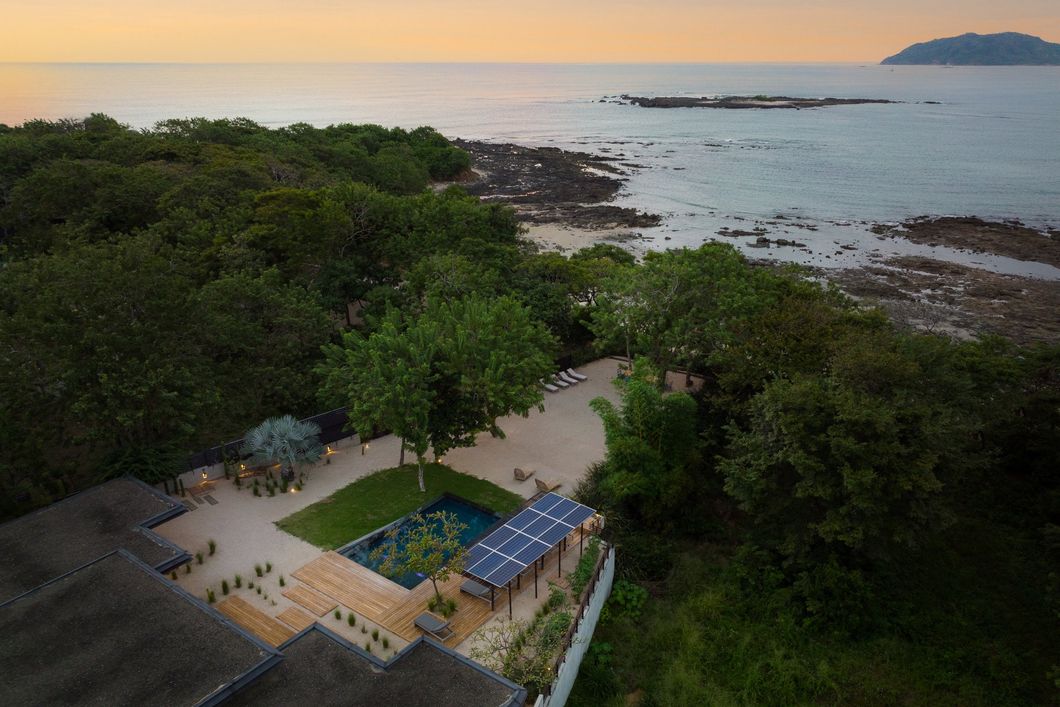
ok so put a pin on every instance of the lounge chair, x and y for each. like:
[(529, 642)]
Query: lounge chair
[(575, 375), (564, 377), (546, 486), (549, 387), (523, 474), (434, 625), (560, 382), (479, 591)]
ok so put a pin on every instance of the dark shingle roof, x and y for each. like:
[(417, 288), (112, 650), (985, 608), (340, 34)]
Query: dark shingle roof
[(115, 632), (65, 535), (320, 668)]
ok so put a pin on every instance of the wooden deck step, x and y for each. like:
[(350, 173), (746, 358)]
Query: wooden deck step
[(352, 585), (254, 620), (317, 603), (296, 618)]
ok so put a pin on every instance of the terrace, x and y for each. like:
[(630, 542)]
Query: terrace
[(292, 537)]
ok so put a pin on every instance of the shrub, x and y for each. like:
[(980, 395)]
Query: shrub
[(368, 646), (272, 491), (282, 583), (363, 629), (187, 568), (627, 599), (239, 581), (441, 605), (173, 575), (210, 597), (224, 587), (283, 486), (268, 567), (386, 642), (250, 585), (198, 557), (259, 591), (257, 492), (350, 619), (257, 570), (556, 597), (213, 547), (338, 614), (375, 634), (581, 575)]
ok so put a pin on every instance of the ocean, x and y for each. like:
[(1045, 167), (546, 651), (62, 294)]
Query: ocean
[(987, 144)]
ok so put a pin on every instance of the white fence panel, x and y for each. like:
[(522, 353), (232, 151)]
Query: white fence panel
[(568, 669)]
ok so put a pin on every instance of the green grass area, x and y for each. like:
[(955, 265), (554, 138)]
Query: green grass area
[(385, 496)]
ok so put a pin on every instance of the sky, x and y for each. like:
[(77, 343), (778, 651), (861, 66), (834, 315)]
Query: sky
[(498, 30)]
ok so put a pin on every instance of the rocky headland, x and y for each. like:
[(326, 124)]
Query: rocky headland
[(547, 185)]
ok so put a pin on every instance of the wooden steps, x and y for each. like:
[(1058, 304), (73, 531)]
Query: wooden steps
[(352, 585), (254, 620), (317, 603), (296, 618)]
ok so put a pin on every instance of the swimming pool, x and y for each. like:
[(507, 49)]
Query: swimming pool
[(476, 518)]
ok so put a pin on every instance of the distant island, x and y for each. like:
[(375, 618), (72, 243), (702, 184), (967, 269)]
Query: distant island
[(737, 102), (1004, 49)]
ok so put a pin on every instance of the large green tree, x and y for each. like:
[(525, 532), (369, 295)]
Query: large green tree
[(439, 378)]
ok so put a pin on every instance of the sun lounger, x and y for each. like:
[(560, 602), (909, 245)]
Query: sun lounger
[(560, 382), (479, 591), (523, 474), (434, 625), (546, 486), (575, 375), (549, 387), (564, 377)]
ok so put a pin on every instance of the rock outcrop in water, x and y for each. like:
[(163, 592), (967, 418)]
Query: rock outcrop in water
[(1004, 49), (742, 102)]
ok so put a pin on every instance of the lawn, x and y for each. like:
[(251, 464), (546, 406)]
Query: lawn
[(385, 496)]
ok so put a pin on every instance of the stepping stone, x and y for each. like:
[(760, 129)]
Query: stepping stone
[(210, 499), (296, 618), (198, 500), (189, 505)]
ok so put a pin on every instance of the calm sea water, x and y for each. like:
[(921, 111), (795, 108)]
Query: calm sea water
[(990, 147)]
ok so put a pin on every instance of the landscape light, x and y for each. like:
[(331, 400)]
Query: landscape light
[(204, 476)]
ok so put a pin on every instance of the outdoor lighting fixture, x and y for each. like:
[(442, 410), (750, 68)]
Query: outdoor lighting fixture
[(330, 450), (204, 476), (242, 467)]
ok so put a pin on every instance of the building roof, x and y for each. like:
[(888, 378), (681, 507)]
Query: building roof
[(321, 668), (115, 632), (70, 533)]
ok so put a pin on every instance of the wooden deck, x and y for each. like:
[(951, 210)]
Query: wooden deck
[(395, 608), (254, 620), (296, 618), (317, 603), (356, 587)]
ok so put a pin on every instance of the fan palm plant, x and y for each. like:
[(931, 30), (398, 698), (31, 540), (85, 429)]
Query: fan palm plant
[(284, 441)]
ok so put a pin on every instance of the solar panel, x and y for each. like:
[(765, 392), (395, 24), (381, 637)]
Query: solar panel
[(498, 537), (524, 539)]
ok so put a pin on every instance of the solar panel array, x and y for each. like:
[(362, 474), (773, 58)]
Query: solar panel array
[(525, 539)]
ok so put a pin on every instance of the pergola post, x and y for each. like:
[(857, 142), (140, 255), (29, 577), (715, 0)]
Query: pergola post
[(559, 560), (581, 539), (535, 579), (509, 598), (492, 608)]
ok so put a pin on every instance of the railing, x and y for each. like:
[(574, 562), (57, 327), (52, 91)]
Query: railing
[(580, 632)]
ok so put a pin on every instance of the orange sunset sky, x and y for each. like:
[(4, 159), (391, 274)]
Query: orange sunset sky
[(498, 30)]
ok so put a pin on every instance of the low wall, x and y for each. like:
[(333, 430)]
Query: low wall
[(588, 617)]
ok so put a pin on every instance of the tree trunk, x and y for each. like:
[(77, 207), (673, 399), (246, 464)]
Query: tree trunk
[(401, 461), (423, 489)]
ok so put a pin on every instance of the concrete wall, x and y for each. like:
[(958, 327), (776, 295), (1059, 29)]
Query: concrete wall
[(568, 669)]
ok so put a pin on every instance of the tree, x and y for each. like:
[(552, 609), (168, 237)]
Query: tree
[(523, 652), (431, 546), (651, 445), (385, 380), (679, 306), (441, 377), (284, 441)]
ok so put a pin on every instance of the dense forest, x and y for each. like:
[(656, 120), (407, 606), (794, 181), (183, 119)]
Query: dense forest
[(846, 513)]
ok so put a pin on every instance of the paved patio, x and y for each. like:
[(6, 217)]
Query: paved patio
[(558, 444)]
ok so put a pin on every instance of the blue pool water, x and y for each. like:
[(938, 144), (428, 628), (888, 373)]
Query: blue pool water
[(476, 519)]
